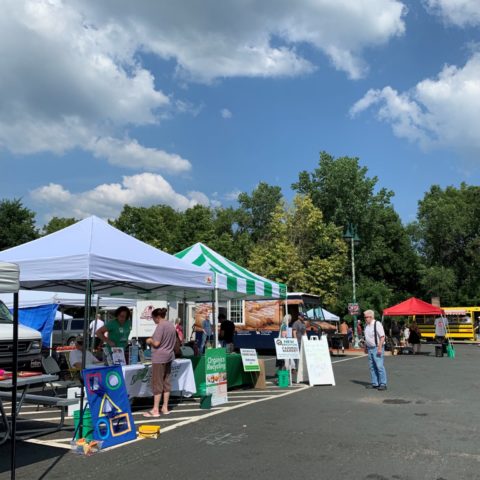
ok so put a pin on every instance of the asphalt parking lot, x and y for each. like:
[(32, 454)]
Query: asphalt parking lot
[(425, 426)]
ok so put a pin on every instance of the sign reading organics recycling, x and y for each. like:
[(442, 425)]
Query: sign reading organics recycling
[(249, 360), (216, 374)]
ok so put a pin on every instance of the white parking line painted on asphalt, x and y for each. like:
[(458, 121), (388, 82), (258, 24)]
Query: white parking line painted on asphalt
[(348, 359), (244, 404)]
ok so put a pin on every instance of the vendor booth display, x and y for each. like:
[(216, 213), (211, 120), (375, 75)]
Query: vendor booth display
[(236, 377), (233, 280), (92, 257), (109, 407), (138, 379)]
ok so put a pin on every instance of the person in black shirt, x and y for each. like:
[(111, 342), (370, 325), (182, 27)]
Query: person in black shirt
[(227, 331)]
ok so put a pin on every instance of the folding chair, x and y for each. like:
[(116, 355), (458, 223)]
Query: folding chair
[(51, 367)]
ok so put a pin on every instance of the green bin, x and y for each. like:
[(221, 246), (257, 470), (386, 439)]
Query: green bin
[(87, 428), (205, 399), (283, 377)]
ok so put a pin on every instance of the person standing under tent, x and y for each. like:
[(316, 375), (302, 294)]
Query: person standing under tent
[(116, 332), (206, 333), (94, 326), (414, 338), (299, 329), (163, 343), (227, 332), (344, 333), (374, 347), (179, 329)]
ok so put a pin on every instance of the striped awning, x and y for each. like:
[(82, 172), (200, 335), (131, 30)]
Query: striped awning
[(229, 276)]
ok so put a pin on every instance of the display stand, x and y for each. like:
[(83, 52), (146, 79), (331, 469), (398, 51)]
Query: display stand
[(315, 364)]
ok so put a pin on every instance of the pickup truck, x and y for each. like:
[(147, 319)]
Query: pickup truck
[(29, 343)]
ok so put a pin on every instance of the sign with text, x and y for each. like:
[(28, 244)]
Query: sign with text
[(316, 364), (353, 308), (216, 375), (249, 360), (287, 349)]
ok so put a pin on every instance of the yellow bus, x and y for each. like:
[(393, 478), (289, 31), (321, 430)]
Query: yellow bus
[(462, 322)]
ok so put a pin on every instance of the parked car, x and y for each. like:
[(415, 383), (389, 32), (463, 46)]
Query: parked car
[(29, 343), (72, 327)]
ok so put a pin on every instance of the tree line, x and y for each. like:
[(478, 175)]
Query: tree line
[(302, 242)]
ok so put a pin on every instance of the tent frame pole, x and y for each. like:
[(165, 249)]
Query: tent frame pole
[(13, 428), (88, 304), (215, 321)]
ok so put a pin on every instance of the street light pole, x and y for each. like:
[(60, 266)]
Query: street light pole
[(354, 291), (351, 234)]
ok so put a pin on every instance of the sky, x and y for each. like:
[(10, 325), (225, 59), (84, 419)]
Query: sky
[(186, 102)]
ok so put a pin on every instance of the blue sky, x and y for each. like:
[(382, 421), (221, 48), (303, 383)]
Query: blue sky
[(99, 108)]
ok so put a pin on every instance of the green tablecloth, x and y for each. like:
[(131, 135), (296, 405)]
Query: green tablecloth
[(236, 377)]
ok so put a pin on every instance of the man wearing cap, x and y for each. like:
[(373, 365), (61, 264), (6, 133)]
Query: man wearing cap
[(374, 347), (76, 356)]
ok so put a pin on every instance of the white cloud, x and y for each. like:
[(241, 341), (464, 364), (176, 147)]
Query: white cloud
[(107, 200), (129, 153), (438, 112), (226, 113), (252, 38), (72, 75), (233, 195), (456, 12)]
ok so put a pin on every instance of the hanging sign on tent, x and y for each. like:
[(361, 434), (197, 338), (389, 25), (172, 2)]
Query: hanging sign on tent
[(287, 349), (315, 364), (108, 400), (216, 374), (250, 360)]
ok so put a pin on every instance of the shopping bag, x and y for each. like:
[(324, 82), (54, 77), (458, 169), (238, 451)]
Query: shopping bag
[(450, 351)]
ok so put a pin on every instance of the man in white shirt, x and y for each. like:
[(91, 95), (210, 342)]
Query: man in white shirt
[(75, 357), (374, 347), (95, 325)]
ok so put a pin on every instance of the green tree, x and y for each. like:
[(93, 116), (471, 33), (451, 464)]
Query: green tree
[(302, 250), (57, 223), (18, 224), (344, 192), (157, 225), (447, 236), (257, 209), (439, 282), (196, 225)]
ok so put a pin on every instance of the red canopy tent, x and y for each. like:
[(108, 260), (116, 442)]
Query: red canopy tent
[(412, 306)]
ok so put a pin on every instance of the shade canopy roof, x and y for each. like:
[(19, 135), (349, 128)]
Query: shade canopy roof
[(237, 281), (33, 298), (412, 306), (116, 263), (320, 312), (9, 278)]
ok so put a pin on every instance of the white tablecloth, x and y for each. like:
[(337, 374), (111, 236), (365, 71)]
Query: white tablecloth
[(138, 379)]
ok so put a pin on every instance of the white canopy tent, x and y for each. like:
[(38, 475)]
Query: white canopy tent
[(33, 298), (10, 283), (91, 257), (115, 264), (322, 313)]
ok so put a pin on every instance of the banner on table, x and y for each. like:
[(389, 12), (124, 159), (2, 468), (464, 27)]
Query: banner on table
[(109, 406), (216, 374), (287, 349), (250, 360), (315, 365)]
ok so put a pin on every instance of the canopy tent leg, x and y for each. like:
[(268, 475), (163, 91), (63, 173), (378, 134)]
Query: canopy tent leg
[(88, 304), (13, 428), (215, 316), (184, 321)]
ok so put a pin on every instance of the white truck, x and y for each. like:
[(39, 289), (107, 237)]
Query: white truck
[(29, 343)]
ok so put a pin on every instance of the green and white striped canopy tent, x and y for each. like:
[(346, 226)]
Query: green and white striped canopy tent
[(231, 279)]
